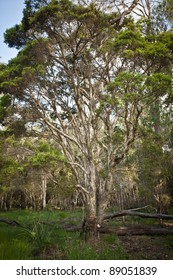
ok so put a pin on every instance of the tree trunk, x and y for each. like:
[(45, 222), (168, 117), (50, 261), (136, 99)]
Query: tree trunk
[(44, 190), (91, 220), (102, 206), (104, 196), (96, 202), (89, 227)]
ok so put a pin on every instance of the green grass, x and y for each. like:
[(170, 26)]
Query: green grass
[(27, 216), (12, 247), (44, 237), (75, 248), (39, 240)]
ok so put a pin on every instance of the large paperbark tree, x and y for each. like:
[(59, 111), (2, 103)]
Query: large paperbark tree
[(75, 73)]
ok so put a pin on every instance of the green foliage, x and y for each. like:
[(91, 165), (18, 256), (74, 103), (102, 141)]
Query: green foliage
[(130, 38), (5, 102), (20, 70), (127, 87), (9, 170), (159, 84), (45, 154), (39, 234), (152, 165), (139, 48), (15, 37)]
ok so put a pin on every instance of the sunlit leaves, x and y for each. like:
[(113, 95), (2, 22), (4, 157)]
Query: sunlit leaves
[(128, 87), (45, 155), (159, 84)]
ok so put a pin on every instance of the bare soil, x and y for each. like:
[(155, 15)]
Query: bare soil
[(148, 247)]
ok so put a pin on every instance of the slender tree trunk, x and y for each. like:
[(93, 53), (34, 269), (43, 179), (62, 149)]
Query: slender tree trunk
[(44, 191)]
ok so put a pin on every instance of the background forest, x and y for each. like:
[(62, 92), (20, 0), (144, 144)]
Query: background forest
[(86, 108)]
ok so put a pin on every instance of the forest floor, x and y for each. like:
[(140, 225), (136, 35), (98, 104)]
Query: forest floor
[(148, 247), (47, 237)]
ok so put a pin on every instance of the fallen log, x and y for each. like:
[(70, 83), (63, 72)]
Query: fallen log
[(122, 231), (119, 231), (10, 222), (138, 214)]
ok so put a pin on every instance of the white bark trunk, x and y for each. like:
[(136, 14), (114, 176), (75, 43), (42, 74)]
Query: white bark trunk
[(44, 190)]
